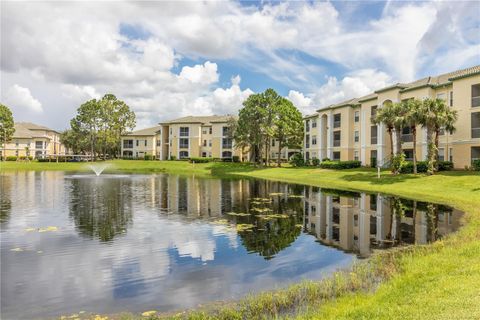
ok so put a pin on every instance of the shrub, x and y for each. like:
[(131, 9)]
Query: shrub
[(476, 165), (398, 162), (422, 167), (11, 158), (315, 162), (297, 160), (236, 159), (227, 160), (339, 165), (148, 157), (43, 160), (200, 160), (172, 158), (373, 162), (445, 165)]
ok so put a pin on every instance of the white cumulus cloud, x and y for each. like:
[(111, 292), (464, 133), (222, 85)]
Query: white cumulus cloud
[(21, 99)]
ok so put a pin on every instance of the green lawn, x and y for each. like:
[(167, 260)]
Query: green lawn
[(437, 281)]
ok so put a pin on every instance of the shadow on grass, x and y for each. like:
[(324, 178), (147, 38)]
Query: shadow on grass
[(385, 178)]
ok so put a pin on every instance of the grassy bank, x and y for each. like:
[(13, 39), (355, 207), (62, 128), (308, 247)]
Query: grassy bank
[(437, 281)]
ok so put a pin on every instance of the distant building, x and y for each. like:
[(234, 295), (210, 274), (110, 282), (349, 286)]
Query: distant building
[(344, 131), (34, 140)]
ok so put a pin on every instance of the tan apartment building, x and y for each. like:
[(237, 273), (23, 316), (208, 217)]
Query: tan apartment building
[(190, 137), (138, 144), (344, 131), (33, 140)]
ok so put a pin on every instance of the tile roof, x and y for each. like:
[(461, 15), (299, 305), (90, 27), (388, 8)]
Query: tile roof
[(30, 130), (205, 120), (145, 132)]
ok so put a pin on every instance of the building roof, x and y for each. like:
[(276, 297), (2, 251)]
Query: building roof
[(30, 130), (145, 132), (204, 120), (432, 81)]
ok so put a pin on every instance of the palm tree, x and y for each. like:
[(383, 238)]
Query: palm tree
[(434, 115), (412, 118), (387, 115)]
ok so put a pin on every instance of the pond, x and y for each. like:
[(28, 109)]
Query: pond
[(114, 243)]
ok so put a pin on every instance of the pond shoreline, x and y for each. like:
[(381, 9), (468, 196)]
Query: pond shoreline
[(375, 288)]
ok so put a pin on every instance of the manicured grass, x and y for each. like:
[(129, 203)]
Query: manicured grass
[(436, 281)]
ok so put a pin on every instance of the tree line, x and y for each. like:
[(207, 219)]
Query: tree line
[(267, 117), (431, 114), (98, 126)]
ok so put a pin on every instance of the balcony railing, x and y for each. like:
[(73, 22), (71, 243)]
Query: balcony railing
[(407, 137), (373, 140), (476, 101), (475, 132), (337, 124), (336, 143)]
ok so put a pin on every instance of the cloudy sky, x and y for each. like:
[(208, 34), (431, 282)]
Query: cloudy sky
[(171, 59)]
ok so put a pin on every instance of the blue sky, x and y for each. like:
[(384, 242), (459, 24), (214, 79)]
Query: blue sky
[(171, 59)]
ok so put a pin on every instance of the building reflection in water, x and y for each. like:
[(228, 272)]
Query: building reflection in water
[(360, 222)]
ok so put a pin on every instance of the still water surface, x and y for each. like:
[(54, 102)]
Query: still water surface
[(116, 243)]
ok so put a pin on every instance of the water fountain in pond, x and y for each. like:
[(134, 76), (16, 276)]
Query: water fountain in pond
[(98, 168)]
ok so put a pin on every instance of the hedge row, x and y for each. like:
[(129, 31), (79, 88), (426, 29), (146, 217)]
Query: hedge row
[(422, 166), (476, 165), (339, 165)]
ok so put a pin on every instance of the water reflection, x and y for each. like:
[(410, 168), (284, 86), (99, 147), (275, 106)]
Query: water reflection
[(101, 208), (165, 242), (360, 223)]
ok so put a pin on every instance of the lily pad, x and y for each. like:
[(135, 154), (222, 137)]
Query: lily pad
[(244, 227), (238, 214)]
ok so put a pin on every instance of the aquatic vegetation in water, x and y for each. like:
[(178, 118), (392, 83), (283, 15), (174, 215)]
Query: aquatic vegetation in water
[(221, 222), (299, 196), (244, 227), (272, 216), (46, 229), (261, 199), (261, 209), (238, 214), (273, 194)]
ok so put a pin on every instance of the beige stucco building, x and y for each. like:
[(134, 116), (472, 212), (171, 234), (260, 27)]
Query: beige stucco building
[(190, 137), (344, 131), (33, 140)]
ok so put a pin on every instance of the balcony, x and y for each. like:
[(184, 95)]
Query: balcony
[(407, 137)]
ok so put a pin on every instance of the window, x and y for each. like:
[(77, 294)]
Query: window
[(475, 153), (337, 120), (204, 143), (408, 154), (441, 131), (16, 153), (273, 142), (183, 143), (373, 134), (184, 131), (336, 155), (357, 116), (307, 125), (451, 98), (407, 135), (159, 142), (39, 144), (314, 140), (441, 96), (355, 156), (441, 154), (373, 202), (137, 143), (307, 141), (145, 142), (226, 154), (127, 154), (314, 123), (373, 111), (476, 125), (476, 95), (336, 138), (210, 130), (225, 131), (204, 154), (356, 136), (450, 154), (226, 143), (204, 131), (209, 143), (183, 154)]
